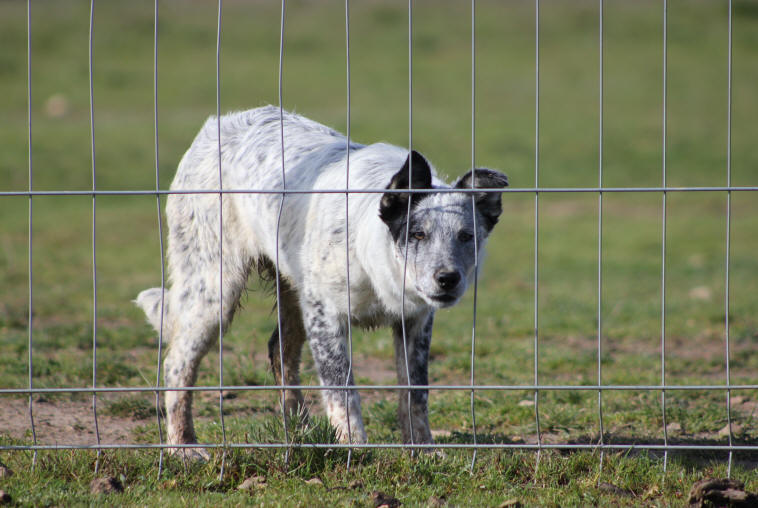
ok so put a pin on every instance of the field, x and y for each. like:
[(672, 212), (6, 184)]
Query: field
[(128, 259)]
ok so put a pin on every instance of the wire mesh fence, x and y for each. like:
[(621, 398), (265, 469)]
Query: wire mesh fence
[(601, 385)]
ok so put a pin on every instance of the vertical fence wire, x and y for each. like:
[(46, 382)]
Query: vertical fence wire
[(408, 214), (537, 227), (728, 236), (220, 246), (347, 235), (600, 242), (278, 224), (94, 234), (473, 215), (31, 214), (664, 233), (160, 238)]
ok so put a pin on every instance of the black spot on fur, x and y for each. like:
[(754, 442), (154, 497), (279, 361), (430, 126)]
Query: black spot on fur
[(273, 347), (393, 208), (488, 204)]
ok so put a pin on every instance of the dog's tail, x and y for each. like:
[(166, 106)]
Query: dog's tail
[(150, 302)]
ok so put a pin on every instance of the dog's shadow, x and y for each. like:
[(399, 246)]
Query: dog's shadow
[(694, 450)]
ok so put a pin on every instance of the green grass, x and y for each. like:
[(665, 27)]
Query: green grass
[(558, 479), (315, 84)]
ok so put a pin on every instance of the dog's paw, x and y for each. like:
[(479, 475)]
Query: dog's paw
[(356, 436), (199, 455)]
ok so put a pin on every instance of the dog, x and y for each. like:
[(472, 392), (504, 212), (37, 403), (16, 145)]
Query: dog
[(409, 254)]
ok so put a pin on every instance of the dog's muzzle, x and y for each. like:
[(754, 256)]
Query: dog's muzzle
[(449, 283)]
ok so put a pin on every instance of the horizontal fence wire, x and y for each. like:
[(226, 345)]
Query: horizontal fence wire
[(398, 446), (535, 388), (367, 387), (515, 190)]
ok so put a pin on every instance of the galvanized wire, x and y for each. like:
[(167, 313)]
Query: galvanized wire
[(537, 226), (516, 190), (160, 239), (408, 213), (347, 234), (664, 234), (460, 387), (220, 246), (31, 222), (705, 448), (600, 243), (728, 235), (278, 224), (94, 232), (473, 215)]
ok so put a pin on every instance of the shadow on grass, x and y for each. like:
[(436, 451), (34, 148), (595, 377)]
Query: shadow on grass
[(695, 450)]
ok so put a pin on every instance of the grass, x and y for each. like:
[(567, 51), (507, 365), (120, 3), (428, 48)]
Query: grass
[(128, 259), (571, 479)]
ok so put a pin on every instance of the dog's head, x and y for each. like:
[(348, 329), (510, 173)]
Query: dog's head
[(443, 229)]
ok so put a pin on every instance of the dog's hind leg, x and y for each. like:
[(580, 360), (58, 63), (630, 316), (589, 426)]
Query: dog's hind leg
[(195, 315), (198, 303), (414, 417), (292, 345)]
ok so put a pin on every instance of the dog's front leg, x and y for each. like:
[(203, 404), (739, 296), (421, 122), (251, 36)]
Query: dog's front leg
[(326, 336), (412, 358)]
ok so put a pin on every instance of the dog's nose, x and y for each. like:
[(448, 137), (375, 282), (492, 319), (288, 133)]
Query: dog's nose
[(447, 280)]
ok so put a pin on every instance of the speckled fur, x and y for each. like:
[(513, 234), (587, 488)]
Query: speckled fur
[(312, 256)]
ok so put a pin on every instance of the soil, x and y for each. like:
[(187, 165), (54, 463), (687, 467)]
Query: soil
[(72, 422), (64, 422)]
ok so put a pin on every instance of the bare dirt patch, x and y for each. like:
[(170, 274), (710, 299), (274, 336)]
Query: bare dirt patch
[(72, 422), (69, 422)]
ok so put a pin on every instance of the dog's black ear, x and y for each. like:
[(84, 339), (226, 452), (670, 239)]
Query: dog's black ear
[(488, 204), (415, 174)]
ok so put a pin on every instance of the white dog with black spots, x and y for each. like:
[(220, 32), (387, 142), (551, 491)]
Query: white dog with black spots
[(410, 253)]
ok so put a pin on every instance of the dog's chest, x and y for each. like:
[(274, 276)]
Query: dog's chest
[(366, 309)]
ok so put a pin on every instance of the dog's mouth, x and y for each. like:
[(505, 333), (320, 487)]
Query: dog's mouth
[(444, 298)]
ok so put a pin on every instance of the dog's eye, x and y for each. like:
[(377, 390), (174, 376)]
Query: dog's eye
[(465, 236), (419, 235)]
